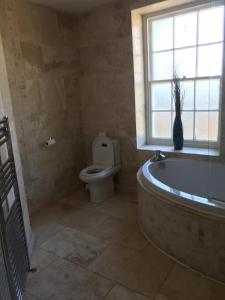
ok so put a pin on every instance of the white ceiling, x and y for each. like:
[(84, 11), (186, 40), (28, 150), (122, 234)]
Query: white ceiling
[(71, 6)]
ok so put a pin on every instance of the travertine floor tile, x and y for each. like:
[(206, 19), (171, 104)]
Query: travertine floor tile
[(122, 293), (84, 219), (43, 232), (80, 198), (41, 258), (117, 230), (184, 284), (111, 229), (105, 239), (63, 280), (55, 211), (75, 245), (28, 296), (143, 271), (135, 238), (120, 206)]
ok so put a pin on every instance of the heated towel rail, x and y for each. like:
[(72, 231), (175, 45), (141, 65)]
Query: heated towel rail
[(14, 259)]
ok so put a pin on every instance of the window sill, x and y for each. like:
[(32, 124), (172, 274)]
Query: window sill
[(185, 150)]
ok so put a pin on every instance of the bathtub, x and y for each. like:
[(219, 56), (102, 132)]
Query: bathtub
[(182, 212)]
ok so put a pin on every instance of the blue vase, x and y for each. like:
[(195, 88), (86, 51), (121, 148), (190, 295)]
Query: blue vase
[(178, 139)]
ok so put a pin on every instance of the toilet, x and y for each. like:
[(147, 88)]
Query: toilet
[(106, 163)]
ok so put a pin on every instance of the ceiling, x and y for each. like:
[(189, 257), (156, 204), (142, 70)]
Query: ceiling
[(71, 6)]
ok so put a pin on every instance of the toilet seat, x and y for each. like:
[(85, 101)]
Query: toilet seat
[(94, 172)]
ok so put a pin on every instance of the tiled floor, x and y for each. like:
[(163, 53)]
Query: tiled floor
[(85, 251)]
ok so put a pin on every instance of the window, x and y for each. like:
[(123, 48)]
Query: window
[(188, 43)]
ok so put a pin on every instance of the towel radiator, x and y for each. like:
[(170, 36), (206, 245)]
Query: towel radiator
[(14, 259)]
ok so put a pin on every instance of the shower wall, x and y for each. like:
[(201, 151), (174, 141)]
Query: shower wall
[(42, 64), (6, 109)]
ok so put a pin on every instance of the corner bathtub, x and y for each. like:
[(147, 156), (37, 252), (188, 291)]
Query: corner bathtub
[(182, 212)]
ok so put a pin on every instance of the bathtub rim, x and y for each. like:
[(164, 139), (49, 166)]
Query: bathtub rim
[(171, 196)]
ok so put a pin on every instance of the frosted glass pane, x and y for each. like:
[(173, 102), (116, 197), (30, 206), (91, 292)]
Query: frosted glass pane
[(206, 128), (185, 61), (187, 89), (207, 94), (211, 25), (210, 60), (185, 30), (188, 124), (163, 65), (162, 34), (161, 96), (161, 125)]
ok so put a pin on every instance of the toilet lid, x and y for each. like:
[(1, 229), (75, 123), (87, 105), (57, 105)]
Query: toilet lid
[(102, 151)]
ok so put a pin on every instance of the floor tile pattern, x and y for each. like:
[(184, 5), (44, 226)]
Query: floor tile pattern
[(85, 251)]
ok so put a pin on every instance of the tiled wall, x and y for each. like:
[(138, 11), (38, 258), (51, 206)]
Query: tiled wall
[(71, 78), (44, 86), (106, 62), (6, 109)]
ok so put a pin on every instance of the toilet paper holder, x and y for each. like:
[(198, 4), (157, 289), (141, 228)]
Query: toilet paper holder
[(50, 142)]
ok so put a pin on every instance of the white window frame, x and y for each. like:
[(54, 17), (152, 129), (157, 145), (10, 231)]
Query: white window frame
[(157, 15)]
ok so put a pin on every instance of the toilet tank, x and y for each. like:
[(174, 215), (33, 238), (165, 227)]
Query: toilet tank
[(105, 151)]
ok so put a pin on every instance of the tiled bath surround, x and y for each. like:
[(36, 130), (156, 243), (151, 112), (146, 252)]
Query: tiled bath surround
[(193, 238)]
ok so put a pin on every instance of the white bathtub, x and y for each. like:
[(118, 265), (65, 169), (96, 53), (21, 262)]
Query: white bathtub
[(182, 211), (196, 184)]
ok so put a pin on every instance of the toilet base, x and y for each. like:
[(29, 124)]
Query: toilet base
[(102, 190)]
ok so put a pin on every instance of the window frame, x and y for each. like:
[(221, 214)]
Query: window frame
[(173, 11)]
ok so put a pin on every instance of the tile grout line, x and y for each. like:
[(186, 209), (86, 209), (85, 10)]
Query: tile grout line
[(165, 279), (120, 284), (114, 285), (48, 265)]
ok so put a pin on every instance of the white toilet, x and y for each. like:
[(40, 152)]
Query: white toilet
[(106, 163)]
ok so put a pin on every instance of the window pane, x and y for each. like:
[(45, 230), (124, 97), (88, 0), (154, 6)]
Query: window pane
[(161, 96), (210, 60), (185, 61), (163, 65), (188, 124), (161, 125), (187, 89), (162, 34), (207, 94), (206, 127), (185, 30), (211, 25)]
